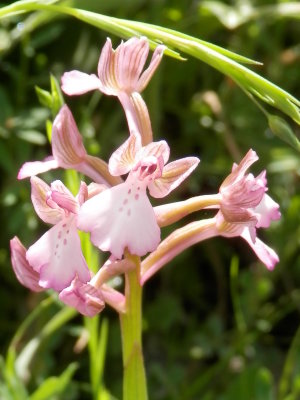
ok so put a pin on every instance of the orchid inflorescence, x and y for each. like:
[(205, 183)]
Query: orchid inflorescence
[(116, 211)]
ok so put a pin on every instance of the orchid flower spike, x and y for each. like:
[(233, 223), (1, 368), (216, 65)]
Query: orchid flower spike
[(120, 74), (57, 255), (245, 206), (122, 217), (69, 153)]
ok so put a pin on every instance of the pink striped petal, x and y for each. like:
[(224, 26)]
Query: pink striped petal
[(123, 159), (84, 297), (173, 174), (67, 145), (57, 256), (155, 149), (24, 272), (39, 195), (148, 73), (76, 83)]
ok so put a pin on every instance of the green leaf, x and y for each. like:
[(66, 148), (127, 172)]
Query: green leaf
[(55, 385), (282, 129), (44, 97), (57, 97)]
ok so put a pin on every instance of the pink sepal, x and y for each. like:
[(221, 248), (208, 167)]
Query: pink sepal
[(155, 149), (76, 83), (67, 145), (23, 271), (84, 297), (266, 255), (173, 174), (123, 159), (57, 256), (37, 167), (39, 195), (148, 73)]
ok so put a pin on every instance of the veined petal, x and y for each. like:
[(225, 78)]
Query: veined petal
[(37, 167), (173, 174), (24, 272), (155, 149), (57, 256), (267, 211), (238, 170), (121, 217), (130, 58), (266, 255), (63, 197), (84, 297), (148, 73), (76, 82), (123, 159), (67, 145), (39, 194)]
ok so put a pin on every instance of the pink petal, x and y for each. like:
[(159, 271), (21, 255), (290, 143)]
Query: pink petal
[(123, 159), (39, 193), (76, 82), (121, 217), (67, 145), (84, 297), (148, 73), (114, 298), (267, 211), (173, 174), (238, 171), (63, 197), (130, 58), (105, 74), (83, 193), (37, 167), (155, 149), (266, 255), (57, 256), (24, 272)]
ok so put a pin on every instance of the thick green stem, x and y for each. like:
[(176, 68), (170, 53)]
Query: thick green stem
[(134, 378)]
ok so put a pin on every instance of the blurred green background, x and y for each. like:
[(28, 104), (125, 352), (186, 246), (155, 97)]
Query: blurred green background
[(217, 324)]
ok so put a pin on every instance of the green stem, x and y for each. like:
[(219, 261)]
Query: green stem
[(134, 379)]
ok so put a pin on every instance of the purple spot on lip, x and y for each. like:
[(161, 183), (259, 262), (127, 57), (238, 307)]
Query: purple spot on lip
[(56, 246), (120, 209), (125, 201), (129, 191), (136, 196), (59, 234), (68, 230), (64, 225), (65, 241)]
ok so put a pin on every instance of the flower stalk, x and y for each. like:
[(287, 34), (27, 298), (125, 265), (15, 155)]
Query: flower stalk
[(134, 377)]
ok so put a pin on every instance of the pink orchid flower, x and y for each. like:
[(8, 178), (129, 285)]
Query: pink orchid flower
[(88, 298), (69, 153), (245, 206), (119, 70), (120, 74), (122, 217), (57, 255)]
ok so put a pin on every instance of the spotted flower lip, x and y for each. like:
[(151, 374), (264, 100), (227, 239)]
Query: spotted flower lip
[(119, 70), (57, 255), (122, 217)]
